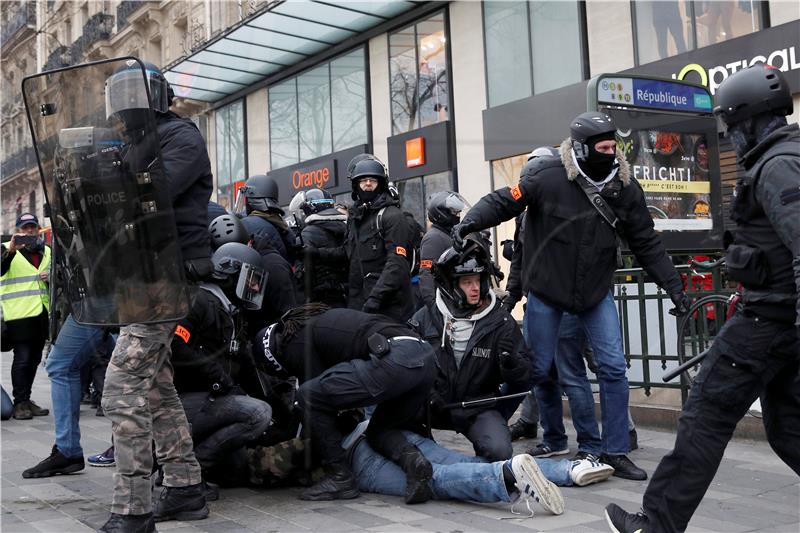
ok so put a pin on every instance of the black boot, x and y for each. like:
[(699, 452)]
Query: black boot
[(129, 523), (523, 430), (419, 473), (338, 484), (181, 503)]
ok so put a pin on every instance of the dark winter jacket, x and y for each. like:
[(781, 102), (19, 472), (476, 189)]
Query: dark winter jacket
[(280, 293), (201, 348), (264, 230), (569, 250), (434, 243), (765, 255), (188, 172), (325, 281), (482, 369)]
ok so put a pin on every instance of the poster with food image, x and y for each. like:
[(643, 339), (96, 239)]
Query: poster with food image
[(672, 169)]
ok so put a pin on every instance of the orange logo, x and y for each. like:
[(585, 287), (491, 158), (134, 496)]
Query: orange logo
[(400, 251), (183, 333), (426, 263), (516, 193)]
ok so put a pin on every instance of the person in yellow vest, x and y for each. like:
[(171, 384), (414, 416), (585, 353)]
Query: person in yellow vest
[(25, 299)]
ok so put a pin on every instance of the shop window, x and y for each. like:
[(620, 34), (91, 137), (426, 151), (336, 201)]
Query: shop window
[(415, 193), (531, 48), (231, 151), (320, 111), (418, 75), (665, 28)]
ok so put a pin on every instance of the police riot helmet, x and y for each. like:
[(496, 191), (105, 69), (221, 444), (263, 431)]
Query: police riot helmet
[(317, 200), (452, 265), (261, 194), (239, 268), (123, 89), (753, 91), (445, 207), (534, 160), (368, 166), (227, 228), (543, 151)]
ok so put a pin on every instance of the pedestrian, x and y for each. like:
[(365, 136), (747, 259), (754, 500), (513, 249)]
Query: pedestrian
[(25, 297), (576, 206), (757, 351)]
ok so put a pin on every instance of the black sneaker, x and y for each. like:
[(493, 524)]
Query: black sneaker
[(338, 484), (621, 521), (580, 456), (542, 450), (22, 411), (523, 430), (633, 439), (129, 523), (624, 467), (54, 465), (181, 503)]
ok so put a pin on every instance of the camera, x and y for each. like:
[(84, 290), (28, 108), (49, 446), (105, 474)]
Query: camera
[(27, 240)]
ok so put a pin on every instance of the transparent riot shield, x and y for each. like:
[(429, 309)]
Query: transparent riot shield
[(113, 227)]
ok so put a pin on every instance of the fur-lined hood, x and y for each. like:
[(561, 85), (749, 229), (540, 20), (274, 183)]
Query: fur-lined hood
[(565, 150)]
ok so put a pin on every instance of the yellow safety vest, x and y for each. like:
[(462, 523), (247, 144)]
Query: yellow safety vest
[(22, 292)]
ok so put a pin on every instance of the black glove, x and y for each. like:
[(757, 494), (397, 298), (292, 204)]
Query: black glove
[(461, 230), (198, 269), (682, 304), (371, 306)]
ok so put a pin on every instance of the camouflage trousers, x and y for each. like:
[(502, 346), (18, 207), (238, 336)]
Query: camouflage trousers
[(143, 406)]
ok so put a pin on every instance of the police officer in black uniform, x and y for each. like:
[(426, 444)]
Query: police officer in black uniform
[(346, 359), (757, 352), (444, 212), (265, 217)]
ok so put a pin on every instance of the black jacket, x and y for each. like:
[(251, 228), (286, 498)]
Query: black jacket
[(436, 240), (379, 259), (325, 281), (330, 338), (201, 347), (766, 209), (273, 228), (280, 294), (569, 250), (481, 372), (188, 172)]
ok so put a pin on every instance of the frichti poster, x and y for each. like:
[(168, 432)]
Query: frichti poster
[(672, 169)]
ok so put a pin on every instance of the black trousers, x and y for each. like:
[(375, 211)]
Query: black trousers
[(750, 357), (398, 383), (27, 356)]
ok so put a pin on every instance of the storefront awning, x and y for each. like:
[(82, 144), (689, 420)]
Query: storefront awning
[(268, 42)]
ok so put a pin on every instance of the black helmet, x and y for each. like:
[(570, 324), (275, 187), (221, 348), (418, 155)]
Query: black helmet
[(588, 128), (357, 159), (317, 200), (753, 91), (453, 265), (535, 159), (543, 151), (261, 192), (368, 166), (238, 263), (123, 89), (227, 228), (445, 207)]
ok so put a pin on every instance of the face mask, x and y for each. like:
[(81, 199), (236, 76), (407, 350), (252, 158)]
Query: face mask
[(597, 166), (367, 196)]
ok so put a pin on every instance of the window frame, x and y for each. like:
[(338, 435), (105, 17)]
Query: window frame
[(217, 145)]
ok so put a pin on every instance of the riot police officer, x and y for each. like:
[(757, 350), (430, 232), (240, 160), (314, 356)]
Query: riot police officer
[(265, 216), (444, 212), (757, 351)]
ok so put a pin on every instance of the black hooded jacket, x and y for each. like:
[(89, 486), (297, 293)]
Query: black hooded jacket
[(188, 172), (325, 282), (569, 250)]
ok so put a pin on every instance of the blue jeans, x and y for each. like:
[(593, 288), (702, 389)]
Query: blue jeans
[(601, 325), (455, 476), (73, 348), (571, 378)]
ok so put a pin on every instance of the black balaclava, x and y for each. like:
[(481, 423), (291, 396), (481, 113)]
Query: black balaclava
[(598, 165), (745, 135), (367, 197)]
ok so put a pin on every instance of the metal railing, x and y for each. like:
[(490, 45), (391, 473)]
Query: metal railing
[(124, 9), (19, 161), (25, 15)]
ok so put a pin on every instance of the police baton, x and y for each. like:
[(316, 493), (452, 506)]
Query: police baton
[(694, 361), (485, 401)]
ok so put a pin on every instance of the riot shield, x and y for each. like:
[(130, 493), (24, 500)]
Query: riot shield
[(113, 227)]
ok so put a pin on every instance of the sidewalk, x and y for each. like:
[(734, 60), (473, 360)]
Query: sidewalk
[(753, 491)]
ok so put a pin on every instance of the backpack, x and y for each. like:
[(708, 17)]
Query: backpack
[(416, 238)]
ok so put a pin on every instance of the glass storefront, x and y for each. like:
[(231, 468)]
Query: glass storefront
[(531, 48), (418, 75), (665, 28), (416, 192), (320, 111), (231, 151)]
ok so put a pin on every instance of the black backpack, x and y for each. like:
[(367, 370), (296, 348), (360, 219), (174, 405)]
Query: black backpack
[(417, 232)]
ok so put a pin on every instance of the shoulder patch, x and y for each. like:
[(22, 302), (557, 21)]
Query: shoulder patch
[(790, 195), (400, 251), (183, 333), (426, 263), (516, 192)]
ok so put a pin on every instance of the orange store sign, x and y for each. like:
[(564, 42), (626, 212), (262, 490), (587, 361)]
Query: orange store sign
[(415, 152), (319, 177)]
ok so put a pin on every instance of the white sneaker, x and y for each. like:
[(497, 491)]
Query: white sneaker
[(532, 484), (586, 471)]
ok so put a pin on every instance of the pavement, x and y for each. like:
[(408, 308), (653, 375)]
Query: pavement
[(753, 491)]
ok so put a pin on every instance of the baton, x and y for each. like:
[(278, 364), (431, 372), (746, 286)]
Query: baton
[(488, 401), (694, 361)]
